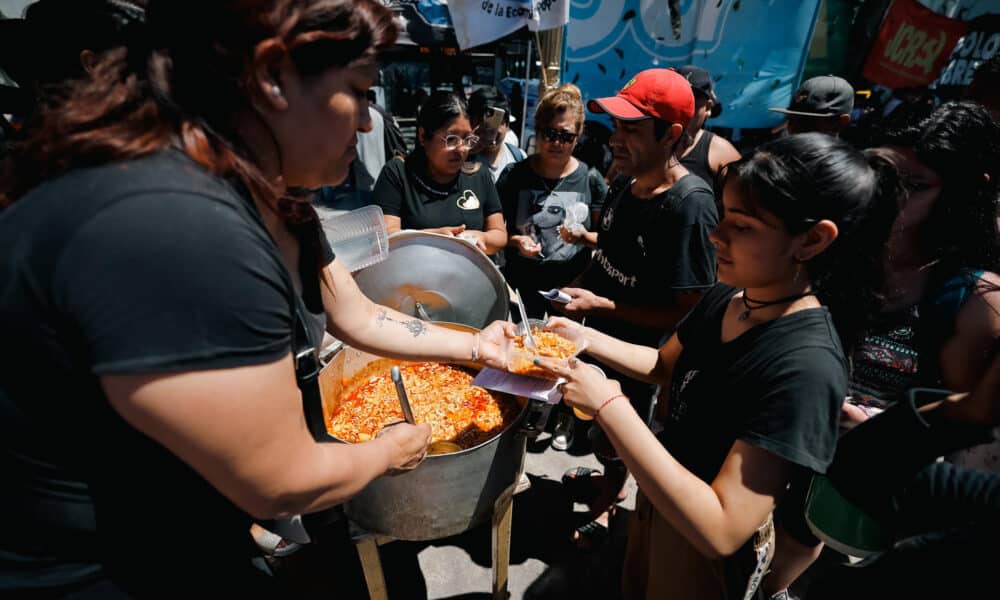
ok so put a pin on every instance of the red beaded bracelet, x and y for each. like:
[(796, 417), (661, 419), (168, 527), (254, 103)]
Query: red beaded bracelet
[(607, 402)]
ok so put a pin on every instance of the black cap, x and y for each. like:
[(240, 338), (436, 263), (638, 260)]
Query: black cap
[(823, 96), (701, 83), (44, 46)]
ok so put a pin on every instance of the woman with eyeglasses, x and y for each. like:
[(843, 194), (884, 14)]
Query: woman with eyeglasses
[(548, 191), (435, 188)]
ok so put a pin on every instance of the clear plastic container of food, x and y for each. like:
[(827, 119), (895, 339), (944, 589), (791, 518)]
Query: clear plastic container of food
[(553, 343), (358, 238)]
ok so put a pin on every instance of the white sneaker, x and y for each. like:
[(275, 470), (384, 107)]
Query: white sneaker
[(523, 483), (562, 435)]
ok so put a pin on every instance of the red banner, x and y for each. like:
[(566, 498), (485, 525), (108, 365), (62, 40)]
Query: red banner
[(912, 46)]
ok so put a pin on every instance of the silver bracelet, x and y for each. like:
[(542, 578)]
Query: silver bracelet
[(475, 347)]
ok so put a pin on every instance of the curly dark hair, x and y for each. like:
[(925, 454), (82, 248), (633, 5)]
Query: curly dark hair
[(960, 141)]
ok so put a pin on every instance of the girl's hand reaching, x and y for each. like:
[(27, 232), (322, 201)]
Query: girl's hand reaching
[(586, 389)]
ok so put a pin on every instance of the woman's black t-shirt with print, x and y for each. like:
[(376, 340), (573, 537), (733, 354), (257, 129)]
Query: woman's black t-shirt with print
[(538, 207), (778, 386), (404, 189)]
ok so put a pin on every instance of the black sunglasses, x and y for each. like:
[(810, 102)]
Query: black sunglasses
[(557, 135)]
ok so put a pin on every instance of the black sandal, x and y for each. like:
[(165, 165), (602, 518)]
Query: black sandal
[(592, 535), (579, 483)]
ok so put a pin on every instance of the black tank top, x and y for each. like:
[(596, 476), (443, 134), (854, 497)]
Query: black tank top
[(696, 161)]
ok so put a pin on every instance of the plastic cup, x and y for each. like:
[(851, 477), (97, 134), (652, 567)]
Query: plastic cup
[(358, 238), (576, 411)]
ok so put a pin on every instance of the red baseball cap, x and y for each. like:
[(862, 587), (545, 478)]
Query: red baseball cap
[(661, 93)]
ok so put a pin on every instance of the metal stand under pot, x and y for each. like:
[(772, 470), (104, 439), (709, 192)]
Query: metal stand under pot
[(438, 278), (367, 544)]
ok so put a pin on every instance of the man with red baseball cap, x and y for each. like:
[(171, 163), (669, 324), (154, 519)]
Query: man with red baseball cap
[(653, 259), (654, 93)]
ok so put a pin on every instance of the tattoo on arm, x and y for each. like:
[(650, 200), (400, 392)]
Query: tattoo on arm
[(415, 326)]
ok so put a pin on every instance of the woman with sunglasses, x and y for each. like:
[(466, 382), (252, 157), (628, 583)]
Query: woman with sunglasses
[(436, 188), (544, 193), (160, 281)]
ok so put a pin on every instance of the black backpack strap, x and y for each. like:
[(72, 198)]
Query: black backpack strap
[(307, 367)]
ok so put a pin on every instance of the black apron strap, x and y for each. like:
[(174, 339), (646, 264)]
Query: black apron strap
[(307, 367)]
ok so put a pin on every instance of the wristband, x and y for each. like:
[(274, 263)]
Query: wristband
[(607, 402), (475, 347)]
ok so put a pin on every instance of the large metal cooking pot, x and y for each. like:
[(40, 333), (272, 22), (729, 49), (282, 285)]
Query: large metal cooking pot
[(439, 278), (447, 493)]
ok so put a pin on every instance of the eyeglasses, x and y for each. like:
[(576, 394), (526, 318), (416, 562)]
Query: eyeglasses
[(558, 135), (453, 142)]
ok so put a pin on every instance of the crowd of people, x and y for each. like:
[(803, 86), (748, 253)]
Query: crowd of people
[(798, 347)]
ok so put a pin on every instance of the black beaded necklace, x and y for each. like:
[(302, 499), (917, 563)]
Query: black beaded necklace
[(750, 304)]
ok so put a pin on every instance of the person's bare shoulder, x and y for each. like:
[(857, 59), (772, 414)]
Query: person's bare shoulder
[(982, 310), (721, 152), (965, 355)]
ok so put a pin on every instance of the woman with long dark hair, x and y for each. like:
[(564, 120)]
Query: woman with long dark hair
[(755, 373), (437, 188), (158, 273), (940, 308)]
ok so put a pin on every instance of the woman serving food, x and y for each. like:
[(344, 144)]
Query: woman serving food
[(157, 268)]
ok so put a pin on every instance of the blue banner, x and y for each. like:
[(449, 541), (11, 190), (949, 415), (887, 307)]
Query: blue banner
[(754, 49)]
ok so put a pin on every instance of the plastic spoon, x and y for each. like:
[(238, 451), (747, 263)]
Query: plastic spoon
[(529, 340)]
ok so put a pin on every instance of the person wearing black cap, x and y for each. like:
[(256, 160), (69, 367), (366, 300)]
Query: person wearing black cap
[(56, 41), (821, 104), (708, 152), (985, 86), (60, 40)]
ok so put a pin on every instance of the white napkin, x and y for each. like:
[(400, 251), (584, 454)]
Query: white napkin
[(543, 390)]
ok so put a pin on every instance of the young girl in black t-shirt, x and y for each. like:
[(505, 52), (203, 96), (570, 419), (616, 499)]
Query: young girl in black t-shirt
[(756, 372)]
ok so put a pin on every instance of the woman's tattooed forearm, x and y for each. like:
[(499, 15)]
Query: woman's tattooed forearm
[(414, 326)]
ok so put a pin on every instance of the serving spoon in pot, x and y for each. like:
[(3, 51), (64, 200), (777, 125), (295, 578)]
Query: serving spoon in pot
[(438, 447), (397, 379)]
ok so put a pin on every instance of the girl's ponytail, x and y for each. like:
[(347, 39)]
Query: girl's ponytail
[(806, 178), (853, 288)]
